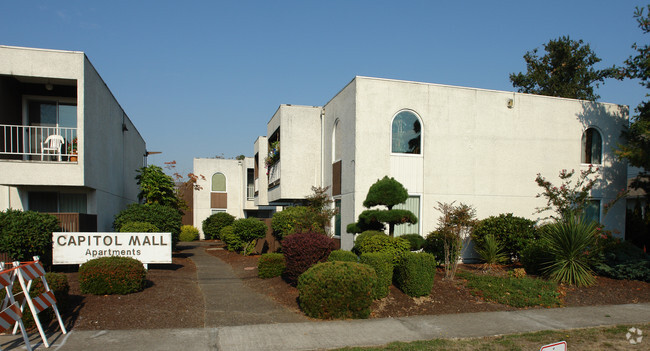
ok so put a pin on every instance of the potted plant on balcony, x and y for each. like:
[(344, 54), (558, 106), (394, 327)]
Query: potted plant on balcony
[(72, 150), (273, 157)]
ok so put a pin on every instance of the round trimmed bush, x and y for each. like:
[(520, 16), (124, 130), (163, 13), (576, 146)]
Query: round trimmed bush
[(383, 265), (395, 247), (360, 239), (112, 275), (415, 274), (166, 219), (303, 250), (212, 225), (337, 290), (416, 241), (343, 256), (189, 233), (232, 240), (512, 232), (138, 227), (27, 234), (270, 265), (434, 244)]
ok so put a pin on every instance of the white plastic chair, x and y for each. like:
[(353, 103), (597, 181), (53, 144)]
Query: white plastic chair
[(52, 144)]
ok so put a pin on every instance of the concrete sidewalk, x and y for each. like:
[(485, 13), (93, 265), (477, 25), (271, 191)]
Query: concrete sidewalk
[(238, 318)]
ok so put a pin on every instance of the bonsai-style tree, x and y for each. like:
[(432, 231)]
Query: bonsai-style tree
[(385, 192)]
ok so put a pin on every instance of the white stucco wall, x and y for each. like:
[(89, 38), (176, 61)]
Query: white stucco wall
[(261, 149)]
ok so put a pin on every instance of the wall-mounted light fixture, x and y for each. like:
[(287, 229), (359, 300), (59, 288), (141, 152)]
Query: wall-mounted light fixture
[(511, 103)]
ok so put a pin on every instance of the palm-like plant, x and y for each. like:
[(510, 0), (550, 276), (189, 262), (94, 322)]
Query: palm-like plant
[(569, 243), (491, 251)]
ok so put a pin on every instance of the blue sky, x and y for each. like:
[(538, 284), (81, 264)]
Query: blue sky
[(202, 78)]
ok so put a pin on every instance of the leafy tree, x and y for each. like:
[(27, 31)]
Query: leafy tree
[(385, 192), (636, 149), (566, 70), (156, 187), (455, 227), (569, 199)]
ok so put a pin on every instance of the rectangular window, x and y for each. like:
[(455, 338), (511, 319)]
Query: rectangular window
[(337, 218), (412, 204), (592, 211), (41, 201)]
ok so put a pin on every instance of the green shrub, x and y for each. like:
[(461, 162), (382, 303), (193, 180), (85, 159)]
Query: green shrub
[(518, 292), (270, 265), (536, 257), (360, 239), (232, 240), (165, 218), (249, 230), (138, 227), (27, 234), (343, 256), (303, 250), (491, 252), (189, 233), (569, 243), (511, 232), (212, 225), (623, 260), (112, 275), (416, 241), (434, 244), (383, 266), (296, 219), (396, 247), (415, 274), (337, 290)]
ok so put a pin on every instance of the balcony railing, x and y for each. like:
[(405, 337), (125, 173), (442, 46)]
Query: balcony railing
[(30, 143), (250, 191), (274, 175), (76, 222)]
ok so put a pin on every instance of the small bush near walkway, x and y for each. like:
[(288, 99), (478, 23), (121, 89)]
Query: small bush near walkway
[(27, 234), (415, 273), (112, 275), (213, 225), (270, 265), (303, 250), (189, 233), (382, 263)]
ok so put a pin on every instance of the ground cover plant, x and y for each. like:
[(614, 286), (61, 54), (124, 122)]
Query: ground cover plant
[(517, 292)]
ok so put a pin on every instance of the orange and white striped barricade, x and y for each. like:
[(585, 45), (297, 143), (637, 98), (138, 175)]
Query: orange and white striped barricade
[(11, 313), (27, 272)]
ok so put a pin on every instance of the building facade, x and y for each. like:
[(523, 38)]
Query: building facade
[(66, 145)]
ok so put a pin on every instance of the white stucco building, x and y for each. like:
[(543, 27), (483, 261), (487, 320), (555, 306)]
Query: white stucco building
[(480, 147), (66, 144)]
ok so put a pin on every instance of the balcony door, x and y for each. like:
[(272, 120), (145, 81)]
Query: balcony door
[(50, 117)]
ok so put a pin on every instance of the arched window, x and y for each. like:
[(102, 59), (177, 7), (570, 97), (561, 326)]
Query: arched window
[(219, 182), (592, 147), (336, 141), (406, 133)]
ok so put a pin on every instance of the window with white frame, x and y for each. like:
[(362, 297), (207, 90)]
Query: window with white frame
[(406, 132), (592, 147)]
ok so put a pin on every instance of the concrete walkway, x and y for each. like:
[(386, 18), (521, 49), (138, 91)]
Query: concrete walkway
[(229, 304)]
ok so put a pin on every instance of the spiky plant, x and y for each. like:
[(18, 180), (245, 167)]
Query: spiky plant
[(491, 252), (569, 243)]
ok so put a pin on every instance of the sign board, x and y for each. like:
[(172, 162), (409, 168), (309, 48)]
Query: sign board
[(557, 346), (78, 248)]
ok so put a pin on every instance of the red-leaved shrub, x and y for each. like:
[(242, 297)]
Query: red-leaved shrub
[(303, 250)]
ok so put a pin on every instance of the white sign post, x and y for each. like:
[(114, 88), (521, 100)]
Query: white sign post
[(78, 248), (557, 346)]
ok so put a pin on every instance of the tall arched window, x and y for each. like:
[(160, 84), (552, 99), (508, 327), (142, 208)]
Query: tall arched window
[(592, 147), (406, 133), (336, 141), (219, 182)]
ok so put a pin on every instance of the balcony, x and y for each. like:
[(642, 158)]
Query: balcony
[(76, 222), (28, 143), (250, 192), (274, 175)]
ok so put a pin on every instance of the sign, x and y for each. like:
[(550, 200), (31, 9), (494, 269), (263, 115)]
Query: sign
[(78, 248), (558, 346)]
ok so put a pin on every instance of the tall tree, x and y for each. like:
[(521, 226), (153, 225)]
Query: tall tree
[(636, 149), (566, 70), (156, 187)]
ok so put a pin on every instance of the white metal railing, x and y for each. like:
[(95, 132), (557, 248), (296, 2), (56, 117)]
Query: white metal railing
[(28, 142), (250, 191), (274, 175)]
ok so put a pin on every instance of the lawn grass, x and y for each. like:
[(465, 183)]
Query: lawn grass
[(517, 292), (607, 338)]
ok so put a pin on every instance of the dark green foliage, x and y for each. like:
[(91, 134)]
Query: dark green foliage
[(386, 192), (395, 247), (566, 70), (416, 241), (112, 275), (189, 233), (337, 290), (536, 257), (27, 234), (232, 240), (637, 226), (296, 219), (434, 244), (249, 230), (343, 256), (166, 219), (491, 252), (156, 187), (212, 225), (361, 238), (383, 265), (569, 243), (138, 227), (517, 292), (303, 250), (415, 273), (365, 223), (623, 260), (511, 232), (270, 265)]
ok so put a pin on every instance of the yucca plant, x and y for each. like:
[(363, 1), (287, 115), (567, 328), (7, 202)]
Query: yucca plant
[(491, 251), (569, 243)]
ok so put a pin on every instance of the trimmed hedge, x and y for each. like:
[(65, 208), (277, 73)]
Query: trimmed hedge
[(213, 225), (337, 290), (360, 239), (303, 250), (383, 266), (396, 247), (24, 235), (434, 244), (249, 230), (189, 233), (416, 241), (138, 227), (296, 219), (165, 218), (512, 232), (343, 256), (232, 240), (112, 275), (415, 274), (270, 265)]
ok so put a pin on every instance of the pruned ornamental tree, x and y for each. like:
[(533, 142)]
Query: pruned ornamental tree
[(386, 192), (566, 70)]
